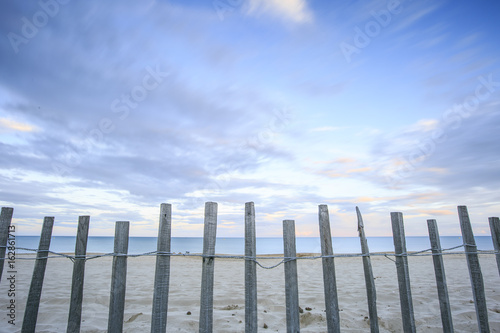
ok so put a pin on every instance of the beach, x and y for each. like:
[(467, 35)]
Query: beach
[(229, 302)]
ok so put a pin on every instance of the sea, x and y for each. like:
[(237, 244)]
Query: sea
[(236, 245)]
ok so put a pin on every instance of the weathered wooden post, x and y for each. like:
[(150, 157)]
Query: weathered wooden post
[(329, 278), (495, 237), (75, 307), (291, 281), (162, 273), (5, 220), (371, 292), (118, 278), (444, 300), (476, 277), (250, 270), (403, 273), (33, 302), (207, 273)]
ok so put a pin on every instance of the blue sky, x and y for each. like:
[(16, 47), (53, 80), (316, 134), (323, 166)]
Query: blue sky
[(110, 108)]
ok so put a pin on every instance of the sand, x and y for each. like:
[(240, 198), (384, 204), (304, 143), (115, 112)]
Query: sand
[(229, 302)]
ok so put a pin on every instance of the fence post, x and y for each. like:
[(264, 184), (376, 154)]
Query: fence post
[(207, 274), (371, 292), (5, 220), (162, 273), (329, 279), (33, 302), (495, 237), (403, 272), (476, 277), (291, 281), (442, 288), (250, 270), (118, 278), (75, 307)]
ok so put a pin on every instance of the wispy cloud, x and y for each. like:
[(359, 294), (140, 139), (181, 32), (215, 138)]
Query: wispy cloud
[(438, 212), (418, 12), (9, 124), (296, 11), (345, 160)]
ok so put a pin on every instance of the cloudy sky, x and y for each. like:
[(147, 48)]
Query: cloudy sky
[(110, 108)]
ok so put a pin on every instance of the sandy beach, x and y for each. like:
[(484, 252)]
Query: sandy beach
[(229, 312)]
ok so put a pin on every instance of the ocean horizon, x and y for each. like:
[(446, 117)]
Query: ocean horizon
[(236, 245)]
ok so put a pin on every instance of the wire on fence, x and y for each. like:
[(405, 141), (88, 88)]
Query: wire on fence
[(256, 258)]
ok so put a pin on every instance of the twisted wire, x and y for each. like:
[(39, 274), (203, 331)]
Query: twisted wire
[(388, 255)]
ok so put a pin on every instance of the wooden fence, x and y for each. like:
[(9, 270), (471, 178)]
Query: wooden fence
[(162, 273)]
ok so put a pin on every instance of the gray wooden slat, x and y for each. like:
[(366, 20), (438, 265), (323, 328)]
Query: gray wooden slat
[(291, 280), (207, 274), (371, 292), (33, 302), (329, 277), (495, 237), (75, 307), (5, 220), (403, 272), (442, 287), (476, 277), (118, 278), (250, 270), (162, 273)]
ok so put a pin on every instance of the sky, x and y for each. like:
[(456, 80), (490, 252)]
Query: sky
[(110, 108)]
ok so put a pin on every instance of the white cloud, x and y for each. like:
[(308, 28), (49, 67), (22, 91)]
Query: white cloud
[(424, 125), (296, 11)]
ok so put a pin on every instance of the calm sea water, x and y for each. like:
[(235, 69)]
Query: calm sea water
[(66, 244)]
